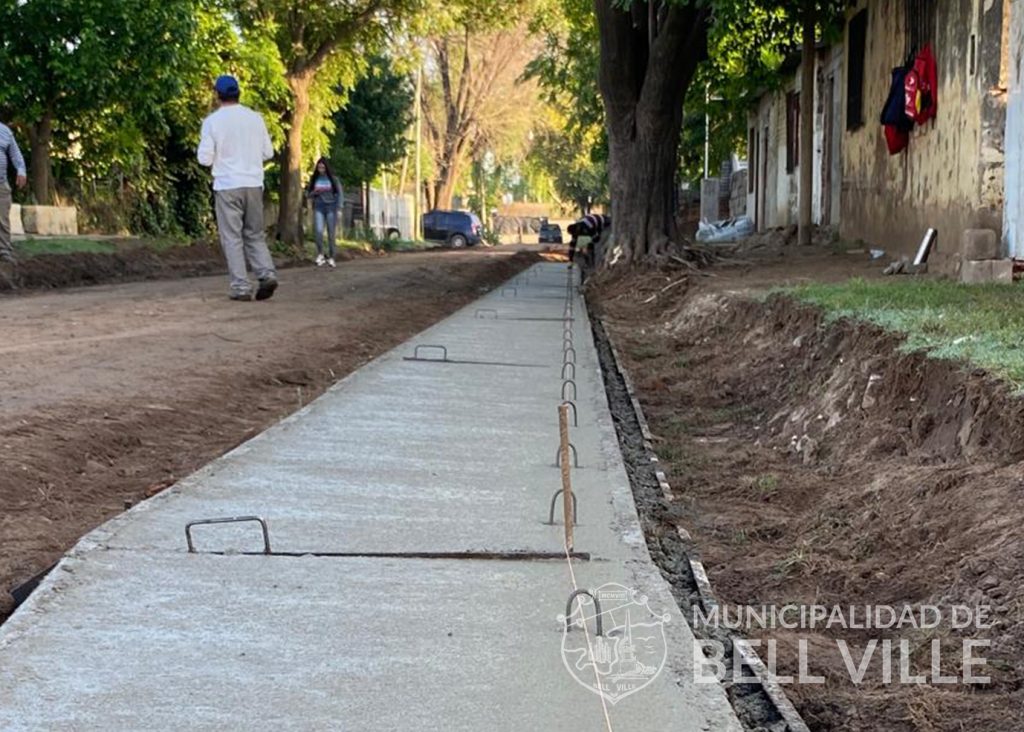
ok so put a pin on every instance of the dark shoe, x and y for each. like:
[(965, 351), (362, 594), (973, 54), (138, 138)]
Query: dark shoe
[(266, 289), (241, 296)]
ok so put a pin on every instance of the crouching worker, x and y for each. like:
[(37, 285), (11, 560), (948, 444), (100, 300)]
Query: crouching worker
[(594, 228)]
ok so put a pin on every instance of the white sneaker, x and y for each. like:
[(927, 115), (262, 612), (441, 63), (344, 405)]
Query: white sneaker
[(330, 262), (320, 260)]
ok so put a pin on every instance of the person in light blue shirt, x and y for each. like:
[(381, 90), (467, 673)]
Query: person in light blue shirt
[(327, 197), (11, 155)]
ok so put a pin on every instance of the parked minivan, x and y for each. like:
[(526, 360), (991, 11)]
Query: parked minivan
[(457, 229)]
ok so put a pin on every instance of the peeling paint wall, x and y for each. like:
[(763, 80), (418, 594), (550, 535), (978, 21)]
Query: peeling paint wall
[(951, 176)]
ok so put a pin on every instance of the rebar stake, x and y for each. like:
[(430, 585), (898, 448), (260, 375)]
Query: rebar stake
[(567, 497), (230, 520), (575, 457), (416, 353), (551, 511), (575, 415), (597, 610)]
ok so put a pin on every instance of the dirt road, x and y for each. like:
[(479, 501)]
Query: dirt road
[(108, 394)]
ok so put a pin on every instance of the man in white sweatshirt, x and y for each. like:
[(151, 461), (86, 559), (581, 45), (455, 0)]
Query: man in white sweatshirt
[(235, 142)]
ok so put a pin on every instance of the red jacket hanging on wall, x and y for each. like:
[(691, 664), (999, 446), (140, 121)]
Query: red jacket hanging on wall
[(920, 87), (895, 123)]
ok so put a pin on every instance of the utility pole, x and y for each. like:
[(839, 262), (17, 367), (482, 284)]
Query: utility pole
[(806, 159), (707, 127), (417, 215)]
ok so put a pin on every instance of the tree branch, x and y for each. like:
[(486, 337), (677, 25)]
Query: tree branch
[(677, 51), (345, 30)]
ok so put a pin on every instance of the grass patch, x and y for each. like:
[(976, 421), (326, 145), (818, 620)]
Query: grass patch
[(766, 485), (75, 245), (36, 247), (980, 324)]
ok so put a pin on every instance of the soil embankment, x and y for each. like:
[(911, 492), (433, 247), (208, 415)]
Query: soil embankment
[(817, 464)]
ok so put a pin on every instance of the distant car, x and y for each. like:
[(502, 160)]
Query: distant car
[(550, 234), (457, 229)]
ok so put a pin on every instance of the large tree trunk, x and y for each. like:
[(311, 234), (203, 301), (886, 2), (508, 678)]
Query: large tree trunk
[(40, 138), (444, 187), (289, 220), (643, 84), (806, 165), (643, 159), (449, 165)]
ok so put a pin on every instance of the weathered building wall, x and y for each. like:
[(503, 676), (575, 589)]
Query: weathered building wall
[(775, 190), (782, 185), (951, 176), (1013, 73), (781, 189)]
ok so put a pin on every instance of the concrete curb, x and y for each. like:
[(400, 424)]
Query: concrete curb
[(772, 688)]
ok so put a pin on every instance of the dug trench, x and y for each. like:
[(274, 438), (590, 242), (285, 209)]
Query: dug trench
[(818, 464)]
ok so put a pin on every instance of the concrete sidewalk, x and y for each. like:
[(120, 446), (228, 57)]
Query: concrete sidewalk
[(406, 459)]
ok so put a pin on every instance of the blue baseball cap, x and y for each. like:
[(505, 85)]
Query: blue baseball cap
[(226, 86)]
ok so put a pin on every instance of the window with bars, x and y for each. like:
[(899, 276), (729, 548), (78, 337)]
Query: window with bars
[(751, 160), (792, 131), (856, 41), (919, 16)]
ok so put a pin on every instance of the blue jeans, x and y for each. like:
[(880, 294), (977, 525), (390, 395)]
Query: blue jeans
[(325, 216)]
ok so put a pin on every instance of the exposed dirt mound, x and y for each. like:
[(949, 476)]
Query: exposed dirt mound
[(818, 464), (128, 263)]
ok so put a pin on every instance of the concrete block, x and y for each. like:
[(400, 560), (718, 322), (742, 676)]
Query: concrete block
[(709, 209), (738, 194), (976, 272), (16, 227), (1002, 271), (989, 270), (979, 244), (50, 220)]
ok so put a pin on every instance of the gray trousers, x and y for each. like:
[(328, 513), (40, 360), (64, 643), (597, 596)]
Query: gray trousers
[(6, 248), (240, 223)]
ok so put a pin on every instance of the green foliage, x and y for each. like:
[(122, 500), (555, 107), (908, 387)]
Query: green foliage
[(127, 84), (490, 237), (79, 57), (477, 102), (983, 325), (309, 33), (578, 169), (370, 131), (571, 147), (748, 44)]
